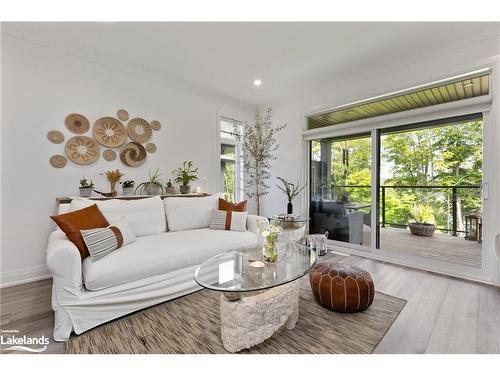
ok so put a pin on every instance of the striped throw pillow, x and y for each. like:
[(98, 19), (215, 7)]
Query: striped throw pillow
[(228, 220), (102, 241)]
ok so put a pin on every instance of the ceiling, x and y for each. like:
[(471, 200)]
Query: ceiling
[(291, 59), (460, 89)]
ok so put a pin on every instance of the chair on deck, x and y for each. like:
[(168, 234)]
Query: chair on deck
[(333, 217)]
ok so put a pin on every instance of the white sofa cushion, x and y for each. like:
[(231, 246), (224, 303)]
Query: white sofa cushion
[(145, 216), (160, 254), (190, 213)]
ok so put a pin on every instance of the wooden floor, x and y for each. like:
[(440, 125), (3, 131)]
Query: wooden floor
[(443, 314), (440, 246)]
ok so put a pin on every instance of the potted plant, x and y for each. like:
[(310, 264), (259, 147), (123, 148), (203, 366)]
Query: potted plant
[(169, 188), (424, 222), (184, 175), (113, 177), (291, 191), (86, 187), (128, 187), (270, 233), (152, 187)]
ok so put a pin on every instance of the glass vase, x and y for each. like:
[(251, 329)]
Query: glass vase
[(270, 251)]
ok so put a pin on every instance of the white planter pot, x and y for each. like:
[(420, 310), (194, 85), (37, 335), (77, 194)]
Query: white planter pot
[(86, 191), (128, 191)]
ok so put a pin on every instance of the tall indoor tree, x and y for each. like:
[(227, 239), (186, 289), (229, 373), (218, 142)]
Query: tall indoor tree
[(258, 146)]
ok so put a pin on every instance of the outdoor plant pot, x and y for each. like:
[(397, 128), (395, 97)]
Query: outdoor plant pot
[(128, 191), (152, 189), (185, 189), (170, 190), (422, 229), (86, 191)]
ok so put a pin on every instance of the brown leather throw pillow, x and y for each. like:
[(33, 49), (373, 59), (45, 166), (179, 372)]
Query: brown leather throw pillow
[(72, 222), (225, 205)]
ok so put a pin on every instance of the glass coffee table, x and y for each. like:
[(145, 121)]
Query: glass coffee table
[(257, 297)]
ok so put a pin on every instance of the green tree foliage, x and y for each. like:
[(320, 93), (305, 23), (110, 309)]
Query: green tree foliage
[(449, 155), (229, 174)]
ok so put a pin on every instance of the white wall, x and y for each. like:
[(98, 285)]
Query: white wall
[(289, 163), (292, 112), (40, 86)]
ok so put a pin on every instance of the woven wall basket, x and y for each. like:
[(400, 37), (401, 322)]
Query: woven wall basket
[(109, 132), (77, 123), (122, 115), (155, 125), (58, 161), (55, 136), (151, 148), (82, 150), (133, 154), (139, 130), (109, 155)]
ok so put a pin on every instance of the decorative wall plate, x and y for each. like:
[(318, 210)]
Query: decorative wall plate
[(151, 148), (155, 125), (82, 150), (133, 154), (55, 136), (139, 130), (122, 115), (77, 123), (109, 155), (109, 132), (58, 161)]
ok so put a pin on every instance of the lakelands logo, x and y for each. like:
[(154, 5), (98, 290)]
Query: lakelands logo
[(24, 343)]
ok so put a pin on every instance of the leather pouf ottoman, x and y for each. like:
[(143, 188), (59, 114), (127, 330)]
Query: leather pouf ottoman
[(342, 288)]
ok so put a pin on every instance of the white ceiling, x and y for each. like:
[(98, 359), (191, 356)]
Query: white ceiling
[(292, 59)]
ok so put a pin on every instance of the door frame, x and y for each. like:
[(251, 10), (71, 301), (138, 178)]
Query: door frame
[(483, 104)]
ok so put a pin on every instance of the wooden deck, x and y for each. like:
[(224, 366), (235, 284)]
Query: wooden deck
[(440, 246)]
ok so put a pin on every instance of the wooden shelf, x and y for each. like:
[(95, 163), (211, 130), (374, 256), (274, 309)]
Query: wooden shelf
[(134, 197)]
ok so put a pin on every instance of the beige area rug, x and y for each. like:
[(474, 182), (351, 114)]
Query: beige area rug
[(190, 324)]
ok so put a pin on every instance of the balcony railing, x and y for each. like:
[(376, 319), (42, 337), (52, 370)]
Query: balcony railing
[(454, 202)]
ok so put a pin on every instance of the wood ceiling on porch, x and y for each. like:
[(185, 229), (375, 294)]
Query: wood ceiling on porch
[(443, 93)]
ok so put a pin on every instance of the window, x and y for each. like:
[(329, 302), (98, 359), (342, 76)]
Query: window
[(231, 173)]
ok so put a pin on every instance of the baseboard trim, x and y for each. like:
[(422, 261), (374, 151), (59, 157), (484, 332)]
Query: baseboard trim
[(24, 275)]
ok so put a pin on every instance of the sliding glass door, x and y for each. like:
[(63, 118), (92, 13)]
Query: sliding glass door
[(430, 190), (340, 190), (429, 178)]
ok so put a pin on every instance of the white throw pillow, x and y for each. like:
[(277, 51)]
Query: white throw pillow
[(125, 229), (238, 220), (190, 213), (146, 216)]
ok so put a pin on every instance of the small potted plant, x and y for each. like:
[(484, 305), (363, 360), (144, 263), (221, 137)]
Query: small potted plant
[(152, 187), (128, 187), (424, 222), (86, 187), (113, 177), (291, 191), (184, 175), (169, 188)]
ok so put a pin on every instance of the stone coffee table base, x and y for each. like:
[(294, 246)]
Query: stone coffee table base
[(253, 318)]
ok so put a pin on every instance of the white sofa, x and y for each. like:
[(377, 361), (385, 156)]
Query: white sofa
[(158, 267)]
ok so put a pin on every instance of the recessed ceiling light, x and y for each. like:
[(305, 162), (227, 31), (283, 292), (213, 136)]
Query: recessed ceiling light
[(257, 82)]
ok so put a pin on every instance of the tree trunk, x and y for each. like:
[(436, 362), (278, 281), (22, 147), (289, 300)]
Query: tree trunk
[(460, 222), (257, 194)]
